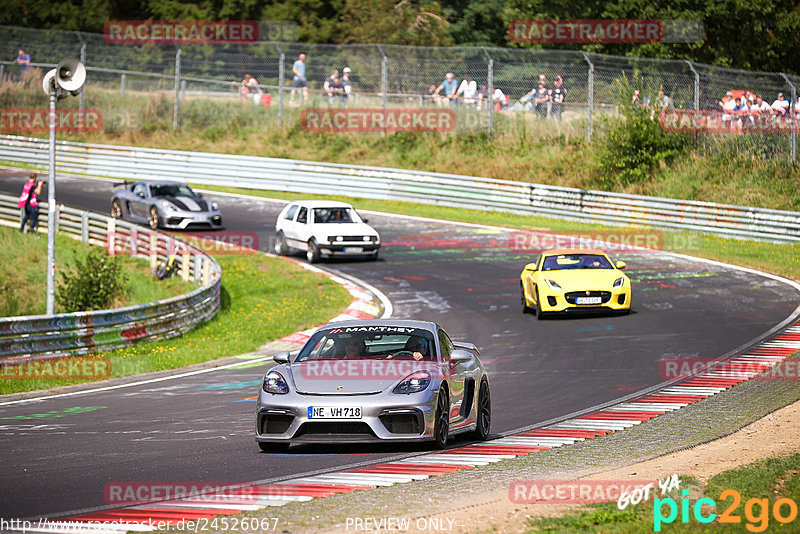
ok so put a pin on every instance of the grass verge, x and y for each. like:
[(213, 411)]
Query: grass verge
[(263, 299), (780, 259), (742, 500), (23, 277)]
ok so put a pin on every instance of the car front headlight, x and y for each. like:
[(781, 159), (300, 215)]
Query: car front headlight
[(214, 206), (619, 281), (373, 238), (275, 383), (167, 205), (552, 284), (413, 383)]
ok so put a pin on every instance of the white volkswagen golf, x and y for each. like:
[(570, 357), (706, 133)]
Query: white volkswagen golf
[(323, 229)]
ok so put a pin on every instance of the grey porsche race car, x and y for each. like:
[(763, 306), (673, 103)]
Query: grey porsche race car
[(165, 204), (374, 380)]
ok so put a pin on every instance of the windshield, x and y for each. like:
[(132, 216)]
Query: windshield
[(171, 190), (332, 215), (369, 343), (576, 261)]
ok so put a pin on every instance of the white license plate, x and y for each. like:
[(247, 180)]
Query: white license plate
[(354, 249), (588, 300), (334, 412)]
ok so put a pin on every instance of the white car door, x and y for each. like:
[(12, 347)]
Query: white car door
[(296, 231)]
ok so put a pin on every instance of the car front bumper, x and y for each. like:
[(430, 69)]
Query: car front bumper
[(181, 219), (355, 248), (385, 417), (554, 301)]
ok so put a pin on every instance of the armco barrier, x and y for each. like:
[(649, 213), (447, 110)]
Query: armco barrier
[(394, 184), (41, 336)]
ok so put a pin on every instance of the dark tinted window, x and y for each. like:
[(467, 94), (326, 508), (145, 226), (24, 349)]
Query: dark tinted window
[(302, 217)]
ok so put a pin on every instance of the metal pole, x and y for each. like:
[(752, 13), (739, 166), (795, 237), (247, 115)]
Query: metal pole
[(122, 84), (383, 83), (591, 95), (696, 96), (793, 119), (51, 206), (490, 90), (281, 74), (83, 60), (177, 87)]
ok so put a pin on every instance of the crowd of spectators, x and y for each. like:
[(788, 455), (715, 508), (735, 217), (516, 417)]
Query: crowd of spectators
[(740, 109)]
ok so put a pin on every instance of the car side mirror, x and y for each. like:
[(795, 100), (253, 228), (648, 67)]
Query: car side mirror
[(140, 194), (460, 356), (365, 221), (621, 264), (199, 195), (530, 267), (281, 357)]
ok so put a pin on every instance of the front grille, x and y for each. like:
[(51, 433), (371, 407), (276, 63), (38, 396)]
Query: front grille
[(275, 423), (402, 423), (174, 221), (353, 238), (335, 428), (605, 296)]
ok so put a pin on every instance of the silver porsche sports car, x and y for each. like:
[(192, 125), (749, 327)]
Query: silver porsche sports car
[(165, 204), (374, 380)]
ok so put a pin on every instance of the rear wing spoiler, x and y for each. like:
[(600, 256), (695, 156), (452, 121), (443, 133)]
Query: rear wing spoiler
[(467, 346), (120, 184)]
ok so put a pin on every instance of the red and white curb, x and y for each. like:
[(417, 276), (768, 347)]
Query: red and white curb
[(761, 358)]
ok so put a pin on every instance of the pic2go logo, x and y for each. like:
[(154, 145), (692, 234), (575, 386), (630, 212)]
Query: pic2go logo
[(756, 511)]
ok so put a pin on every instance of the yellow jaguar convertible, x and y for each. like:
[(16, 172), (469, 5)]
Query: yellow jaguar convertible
[(574, 280)]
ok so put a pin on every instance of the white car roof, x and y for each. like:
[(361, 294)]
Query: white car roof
[(322, 204)]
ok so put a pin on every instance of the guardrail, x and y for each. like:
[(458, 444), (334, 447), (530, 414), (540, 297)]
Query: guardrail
[(42, 337), (394, 184)]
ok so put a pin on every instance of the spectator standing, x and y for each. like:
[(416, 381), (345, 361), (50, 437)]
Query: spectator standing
[(23, 59), (483, 95), (781, 105), (636, 99), (348, 85), (29, 202), (299, 71), (559, 93), (469, 88), (540, 99), (448, 89)]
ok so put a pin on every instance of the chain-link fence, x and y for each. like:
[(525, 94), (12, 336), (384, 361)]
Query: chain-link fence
[(153, 86)]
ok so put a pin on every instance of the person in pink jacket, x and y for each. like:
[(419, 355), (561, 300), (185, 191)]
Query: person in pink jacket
[(29, 202)]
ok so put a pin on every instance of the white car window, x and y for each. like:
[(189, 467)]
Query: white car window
[(332, 215), (140, 189), (302, 217), (290, 213)]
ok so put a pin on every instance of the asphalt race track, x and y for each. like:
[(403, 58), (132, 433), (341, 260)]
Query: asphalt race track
[(58, 454)]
